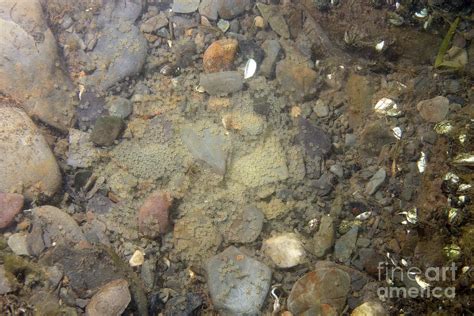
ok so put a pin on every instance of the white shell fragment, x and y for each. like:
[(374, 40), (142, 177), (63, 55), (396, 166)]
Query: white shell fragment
[(363, 216), (411, 216), (250, 68), (200, 89), (397, 132), (451, 177), (421, 163), (380, 46), (443, 127), (464, 187), (423, 13), (137, 258), (424, 285), (465, 159), (388, 107), (223, 25)]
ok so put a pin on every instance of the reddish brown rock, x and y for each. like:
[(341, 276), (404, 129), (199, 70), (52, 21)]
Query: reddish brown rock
[(153, 218), (220, 55), (10, 206)]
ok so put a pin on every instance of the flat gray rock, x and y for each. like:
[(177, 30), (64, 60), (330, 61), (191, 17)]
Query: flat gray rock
[(376, 181), (224, 82), (238, 284), (206, 146), (346, 245), (185, 6)]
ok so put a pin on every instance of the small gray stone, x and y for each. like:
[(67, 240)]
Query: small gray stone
[(229, 9), (57, 225), (206, 146), (106, 130), (273, 14), (112, 299), (350, 140), (119, 107), (285, 250), (337, 170), (5, 285), (154, 23), (346, 244), (237, 283), (321, 109), (324, 239), (224, 82), (375, 182), (185, 6), (434, 110), (243, 225), (272, 50), (17, 243), (208, 8)]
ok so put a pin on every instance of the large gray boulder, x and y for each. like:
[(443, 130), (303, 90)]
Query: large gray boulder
[(30, 70)]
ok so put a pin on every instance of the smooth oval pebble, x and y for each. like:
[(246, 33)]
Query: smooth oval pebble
[(10, 205), (111, 300), (286, 250), (137, 258), (153, 215)]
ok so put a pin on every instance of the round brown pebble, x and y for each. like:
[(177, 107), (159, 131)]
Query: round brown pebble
[(112, 299), (153, 217), (220, 55)]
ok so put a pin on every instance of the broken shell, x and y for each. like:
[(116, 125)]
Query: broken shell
[(223, 25), (388, 107), (364, 216), (454, 216), (421, 163), (380, 46), (453, 252), (250, 68), (137, 258), (464, 187), (465, 159), (397, 132), (452, 177), (424, 285), (423, 13), (200, 89), (443, 127), (411, 216), (462, 138)]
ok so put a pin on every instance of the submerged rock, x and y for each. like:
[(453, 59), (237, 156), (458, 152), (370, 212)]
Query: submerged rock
[(207, 146), (6, 285), (82, 153), (106, 130), (315, 141), (237, 283), (285, 250), (185, 6), (296, 79), (325, 285), (10, 205), (224, 82), (272, 50), (220, 55), (375, 182), (57, 226), (153, 217), (273, 14), (229, 9), (325, 237), (346, 245), (372, 308), (243, 225), (30, 71), (434, 110), (27, 164), (112, 299)]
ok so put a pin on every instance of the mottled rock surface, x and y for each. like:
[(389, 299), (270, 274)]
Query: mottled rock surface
[(27, 164)]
